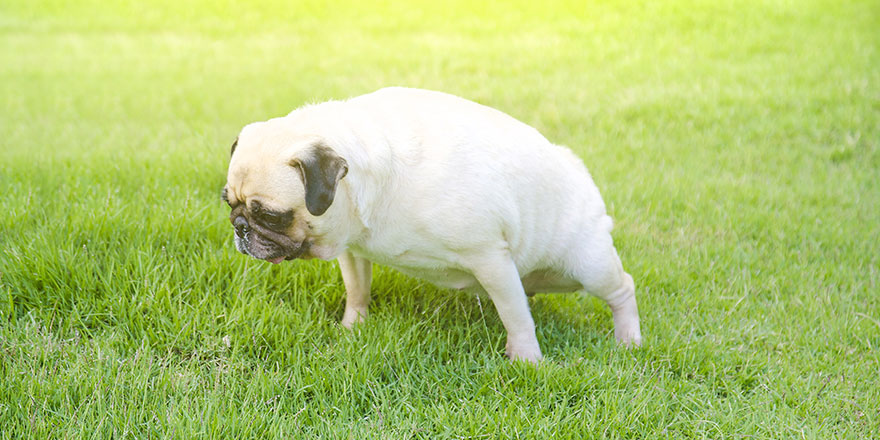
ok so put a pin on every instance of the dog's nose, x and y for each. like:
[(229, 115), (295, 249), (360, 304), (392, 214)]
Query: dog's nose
[(240, 223)]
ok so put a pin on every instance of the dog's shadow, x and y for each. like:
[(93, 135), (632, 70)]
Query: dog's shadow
[(566, 323)]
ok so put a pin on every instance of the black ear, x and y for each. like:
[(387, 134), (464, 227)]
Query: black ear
[(320, 169), (234, 144)]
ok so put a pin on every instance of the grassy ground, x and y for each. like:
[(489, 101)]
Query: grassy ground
[(737, 147)]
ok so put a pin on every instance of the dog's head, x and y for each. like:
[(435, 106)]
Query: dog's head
[(281, 187)]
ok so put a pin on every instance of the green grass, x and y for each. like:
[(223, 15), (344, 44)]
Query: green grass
[(736, 145)]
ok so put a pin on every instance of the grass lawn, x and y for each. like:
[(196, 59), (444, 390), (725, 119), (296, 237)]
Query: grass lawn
[(737, 145)]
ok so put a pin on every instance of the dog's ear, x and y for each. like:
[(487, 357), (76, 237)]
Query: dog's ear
[(320, 169), (232, 150)]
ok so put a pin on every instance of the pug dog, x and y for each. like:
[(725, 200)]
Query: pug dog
[(437, 187)]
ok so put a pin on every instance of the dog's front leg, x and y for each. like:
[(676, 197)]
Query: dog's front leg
[(499, 277), (356, 275)]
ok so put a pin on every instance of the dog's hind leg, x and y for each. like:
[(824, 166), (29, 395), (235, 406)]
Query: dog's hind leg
[(596, 265), (497, 274), (356, 275)]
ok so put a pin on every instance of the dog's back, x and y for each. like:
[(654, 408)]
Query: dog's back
[(470, 176)]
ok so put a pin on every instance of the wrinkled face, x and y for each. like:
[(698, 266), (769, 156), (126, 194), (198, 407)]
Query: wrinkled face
[(279, 188), (269, 233)]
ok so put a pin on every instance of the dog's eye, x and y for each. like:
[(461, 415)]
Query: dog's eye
[(275, 220), (272, 220), (225, 196)]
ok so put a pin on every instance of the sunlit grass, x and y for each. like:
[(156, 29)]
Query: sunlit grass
[(735, 145)]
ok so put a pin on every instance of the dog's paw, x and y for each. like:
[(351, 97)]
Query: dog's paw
[(530, 353), (353, 316), (628, 337)]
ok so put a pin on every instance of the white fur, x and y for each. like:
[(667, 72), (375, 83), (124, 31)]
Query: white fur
[(453, 192)]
